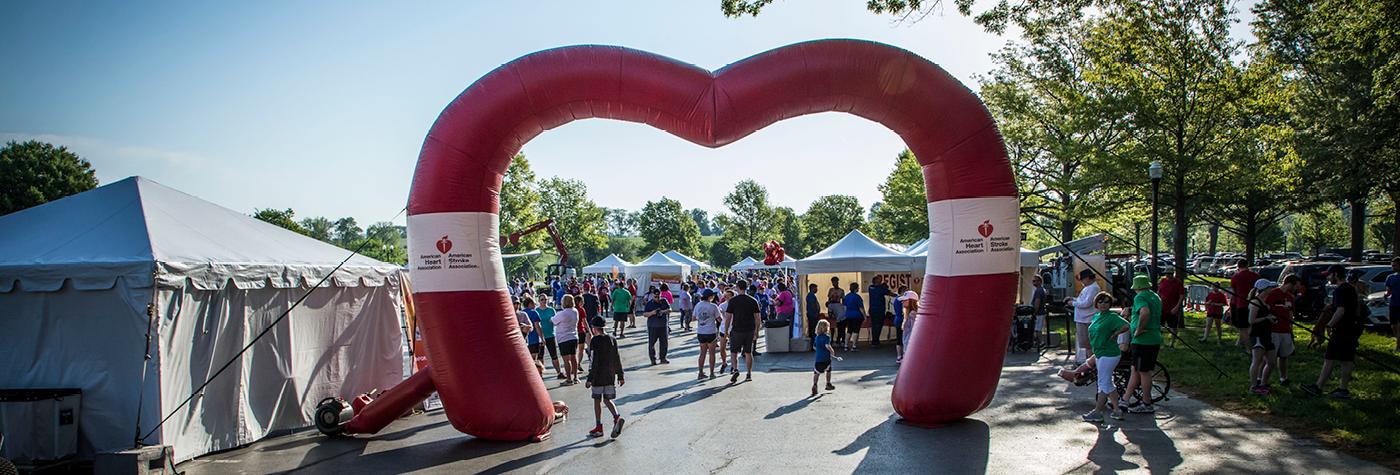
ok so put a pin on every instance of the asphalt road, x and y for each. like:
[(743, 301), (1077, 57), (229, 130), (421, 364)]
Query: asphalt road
[(676, 424)]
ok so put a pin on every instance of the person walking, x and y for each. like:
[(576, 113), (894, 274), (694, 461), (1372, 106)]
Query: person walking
[(878, 305), (657, 313), (632, 304), (686, 305), (1240, 285), (1039, 306), (706, 329), (1173, 293), (855, 316), (741, 316), (546, 312), (1146, 323), (1084, 312), (821, 343), (566, 321), (1344, 326), (898, 310), (1215, 312), (722, 343), (1280, 304), (604, 376), (621, 308), (1261, 341), (1103, 341), (534, 341), (836, 310)]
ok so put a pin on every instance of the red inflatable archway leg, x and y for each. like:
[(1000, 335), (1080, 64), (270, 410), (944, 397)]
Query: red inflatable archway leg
[(480, 367)]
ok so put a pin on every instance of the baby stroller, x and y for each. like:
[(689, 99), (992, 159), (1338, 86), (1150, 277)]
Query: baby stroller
[(1022, 329)]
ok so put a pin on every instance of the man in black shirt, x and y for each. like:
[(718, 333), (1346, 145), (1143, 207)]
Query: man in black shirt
[(657, 312), (741, 314), (606, 369), (1344, 327)]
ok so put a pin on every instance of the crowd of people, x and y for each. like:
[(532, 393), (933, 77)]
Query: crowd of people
[(1260, 309), (726, 312)]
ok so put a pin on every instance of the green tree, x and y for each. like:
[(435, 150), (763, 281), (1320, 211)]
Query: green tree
[(903, 212), (620, 222), (627, 247), (319, 228), (33, 173), (1317, 230), (702, 220), (579, 221), (666, 226), (791, 232), (1171, 63), (1346, 57), (282, 218), (347, 231), (830, 218), (520, 208), (749, 222), (722, 255)]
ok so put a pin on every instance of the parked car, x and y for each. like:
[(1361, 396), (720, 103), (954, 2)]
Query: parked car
[(1373, 277), (1274, 273)]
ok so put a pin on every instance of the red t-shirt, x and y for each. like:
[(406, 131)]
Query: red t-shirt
[(1240, 284), (1215, 303), (1281, 306), (1170, 291)]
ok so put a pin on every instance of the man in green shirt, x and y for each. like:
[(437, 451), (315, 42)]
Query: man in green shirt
[(622, 308), (1146, 323)]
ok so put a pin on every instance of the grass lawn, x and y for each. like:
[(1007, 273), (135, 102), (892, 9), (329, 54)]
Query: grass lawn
[(1367, 426)]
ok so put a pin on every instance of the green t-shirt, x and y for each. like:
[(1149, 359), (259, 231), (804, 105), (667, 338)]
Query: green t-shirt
[(546, 314), (1153, 334), (1102, 331), (621, 300)]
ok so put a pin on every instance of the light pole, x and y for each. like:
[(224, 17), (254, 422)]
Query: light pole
[(1154, 171)]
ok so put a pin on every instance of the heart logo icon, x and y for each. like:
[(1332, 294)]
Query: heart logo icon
[(985, 229), (444, 245)]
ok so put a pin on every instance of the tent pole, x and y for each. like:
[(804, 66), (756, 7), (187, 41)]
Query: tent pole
[(146, 359)]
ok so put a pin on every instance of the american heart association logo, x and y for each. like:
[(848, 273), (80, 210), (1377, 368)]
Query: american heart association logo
[(985, 229), (444, 245)]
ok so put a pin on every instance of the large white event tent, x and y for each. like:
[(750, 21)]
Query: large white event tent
[(694, 264), (608, 265), (658, 268), (856, 258), (77, 276), (745, 264)]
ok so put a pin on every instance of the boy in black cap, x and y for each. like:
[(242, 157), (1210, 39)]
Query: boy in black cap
[(1344, 326), (606, 368)]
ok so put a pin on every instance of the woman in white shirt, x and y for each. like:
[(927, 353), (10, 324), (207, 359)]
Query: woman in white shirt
[(707, 329), (566, 334)]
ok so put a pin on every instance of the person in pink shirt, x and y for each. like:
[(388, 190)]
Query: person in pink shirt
[(785, 305)]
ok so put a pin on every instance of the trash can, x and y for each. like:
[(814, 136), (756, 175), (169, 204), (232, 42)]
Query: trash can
[(776, 338)]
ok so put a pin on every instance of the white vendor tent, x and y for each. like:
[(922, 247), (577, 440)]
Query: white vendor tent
[(608, 265), (658, 268), (788, 263), (77, 276), (684, 259), (855, 253), (745, 264)]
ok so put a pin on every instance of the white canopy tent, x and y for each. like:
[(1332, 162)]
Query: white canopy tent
[(788, 263), (684, 259), (77, 276), (658, 268), (855, 253), (745, 264), (608, 265)]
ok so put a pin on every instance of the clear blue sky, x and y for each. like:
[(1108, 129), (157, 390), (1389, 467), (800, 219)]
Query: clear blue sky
[(322, 106)]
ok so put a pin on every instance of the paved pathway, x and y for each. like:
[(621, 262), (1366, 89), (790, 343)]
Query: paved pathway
[(679, 425)]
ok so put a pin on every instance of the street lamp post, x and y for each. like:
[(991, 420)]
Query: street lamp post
[(1155, 172)]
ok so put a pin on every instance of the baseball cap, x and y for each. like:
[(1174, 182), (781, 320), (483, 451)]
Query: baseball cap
[(1334, 269), (1262, 284), (907, 295)]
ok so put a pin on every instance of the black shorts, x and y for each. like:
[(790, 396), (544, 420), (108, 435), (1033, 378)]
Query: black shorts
[(621, 316), (822, 367), (1239, 317), (537, 350), (853, 324), (1262, 340), (1172, 319), (1342, 345), (1145, 357), (705, 338), (568, 348), (741, 343)]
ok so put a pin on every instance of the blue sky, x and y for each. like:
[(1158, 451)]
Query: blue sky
[(322, 106)]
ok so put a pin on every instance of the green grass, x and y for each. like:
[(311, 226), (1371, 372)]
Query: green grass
[(1367, 425)]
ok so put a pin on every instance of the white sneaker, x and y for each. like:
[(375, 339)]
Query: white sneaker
[(1093, 416)]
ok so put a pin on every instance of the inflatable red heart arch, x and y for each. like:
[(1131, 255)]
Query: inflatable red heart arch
[(773, 253), (477, 360)]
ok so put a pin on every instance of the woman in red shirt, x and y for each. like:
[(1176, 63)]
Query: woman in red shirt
[(1215, 312)]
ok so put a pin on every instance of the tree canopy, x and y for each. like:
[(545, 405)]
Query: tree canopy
[(36, 172)]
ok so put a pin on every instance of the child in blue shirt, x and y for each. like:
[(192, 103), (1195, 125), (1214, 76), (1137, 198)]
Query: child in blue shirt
[(822, 344)]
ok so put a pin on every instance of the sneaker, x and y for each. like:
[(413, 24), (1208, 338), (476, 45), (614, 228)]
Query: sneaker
[(829, 387), (1260, 390), (734, 377), (617, 427), (1311, 389), (1092, 416), (1283, 382), (748, 377), (597, 431), (560, 376), (1142, 409), (1116, 415), (702, 376), (665, 361), (1340, 394)]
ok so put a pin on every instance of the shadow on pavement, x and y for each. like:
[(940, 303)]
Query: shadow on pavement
[(892, 447)]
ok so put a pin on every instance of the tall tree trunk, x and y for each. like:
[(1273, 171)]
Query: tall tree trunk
[(1358, 227), (1214, 237), (1251, 234), (1067, 228)]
